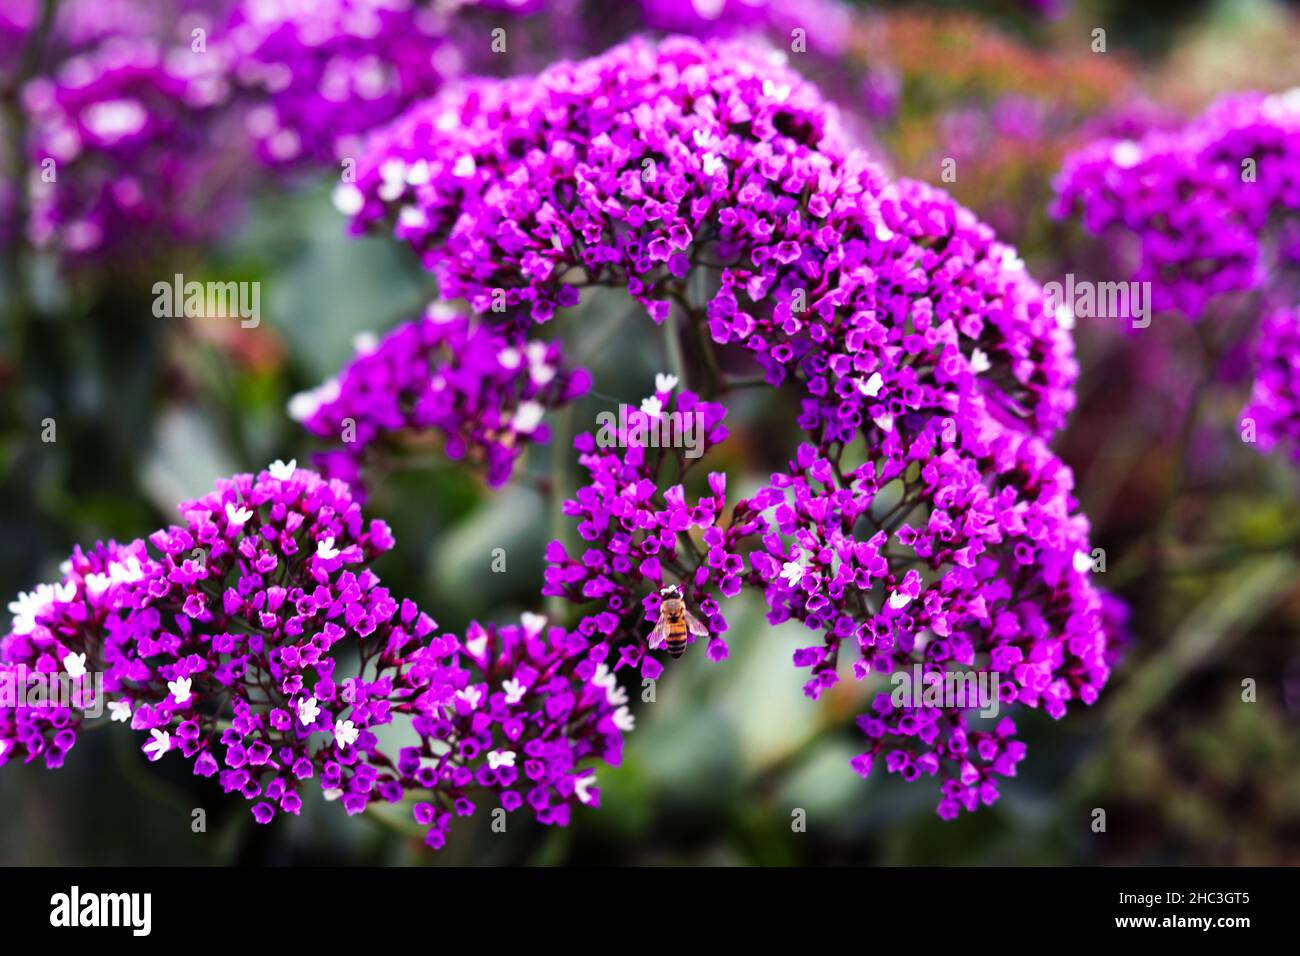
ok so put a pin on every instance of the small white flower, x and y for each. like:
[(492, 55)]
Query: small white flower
[(582, 787), (412, 217), (345, 733), (885, 423), (281, 471), (418, 174), (500, 758), (665, 383), (1082, 562), (4, 746), (712, 163), (652, 406), (325, 549), (331, 795), (509, 357), (304, 405), (120, 710), (624, 720), (75, 665), (979, 361), (514, 689), (347, 199), (871, 387), (471, 696), (533, 623), (1126, 155), (393, 173), (793, 572), (477, 644), (236, 515), (605, 678), (161, 743), (120, 572), (527, 417), (465, 166), (541, 373), (308, 711), (180, 689), (778, 93), (537, 351), (899, 600), (30, 606)]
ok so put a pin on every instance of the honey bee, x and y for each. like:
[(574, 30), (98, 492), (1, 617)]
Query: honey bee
[(674, 621)]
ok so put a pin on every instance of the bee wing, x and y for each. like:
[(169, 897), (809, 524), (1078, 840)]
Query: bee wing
[(659, 633), (695, 627)]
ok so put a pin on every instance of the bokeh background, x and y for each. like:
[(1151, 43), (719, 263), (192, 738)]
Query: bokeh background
[(1201, 533)]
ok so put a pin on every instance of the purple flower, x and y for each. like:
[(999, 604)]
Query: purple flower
[(483, 392), (247, 682), (320, 73), (918, 347), (124, 131), (1272, 416), (888, 297), (1200, 200)]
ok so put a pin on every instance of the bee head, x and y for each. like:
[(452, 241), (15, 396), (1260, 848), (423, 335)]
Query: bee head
[(670, 591)]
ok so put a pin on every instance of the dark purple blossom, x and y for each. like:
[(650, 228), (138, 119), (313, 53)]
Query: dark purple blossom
[(1201, 200), (1272, 416), (925, 522), (222, 638), (484, 392)]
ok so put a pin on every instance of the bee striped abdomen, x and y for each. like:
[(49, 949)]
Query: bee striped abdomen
[(675, 640)]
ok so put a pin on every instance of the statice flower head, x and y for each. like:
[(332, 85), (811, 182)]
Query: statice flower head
[(514, 711), (124, 146), (482, 391), (253, 640), (637, 167), (924, 521), (1202, 200), (1272, 415), (52, 627), (638, 536), (319, 73)]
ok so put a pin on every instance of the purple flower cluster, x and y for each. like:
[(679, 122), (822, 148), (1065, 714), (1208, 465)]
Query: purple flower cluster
[(960, 554), (222, 638), (638, 166), (825, 24), (634, 532), (483, 391), (122, 133), (926, 522), (121, 144), (322, 72), (1273, 411), (1202, 200)]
